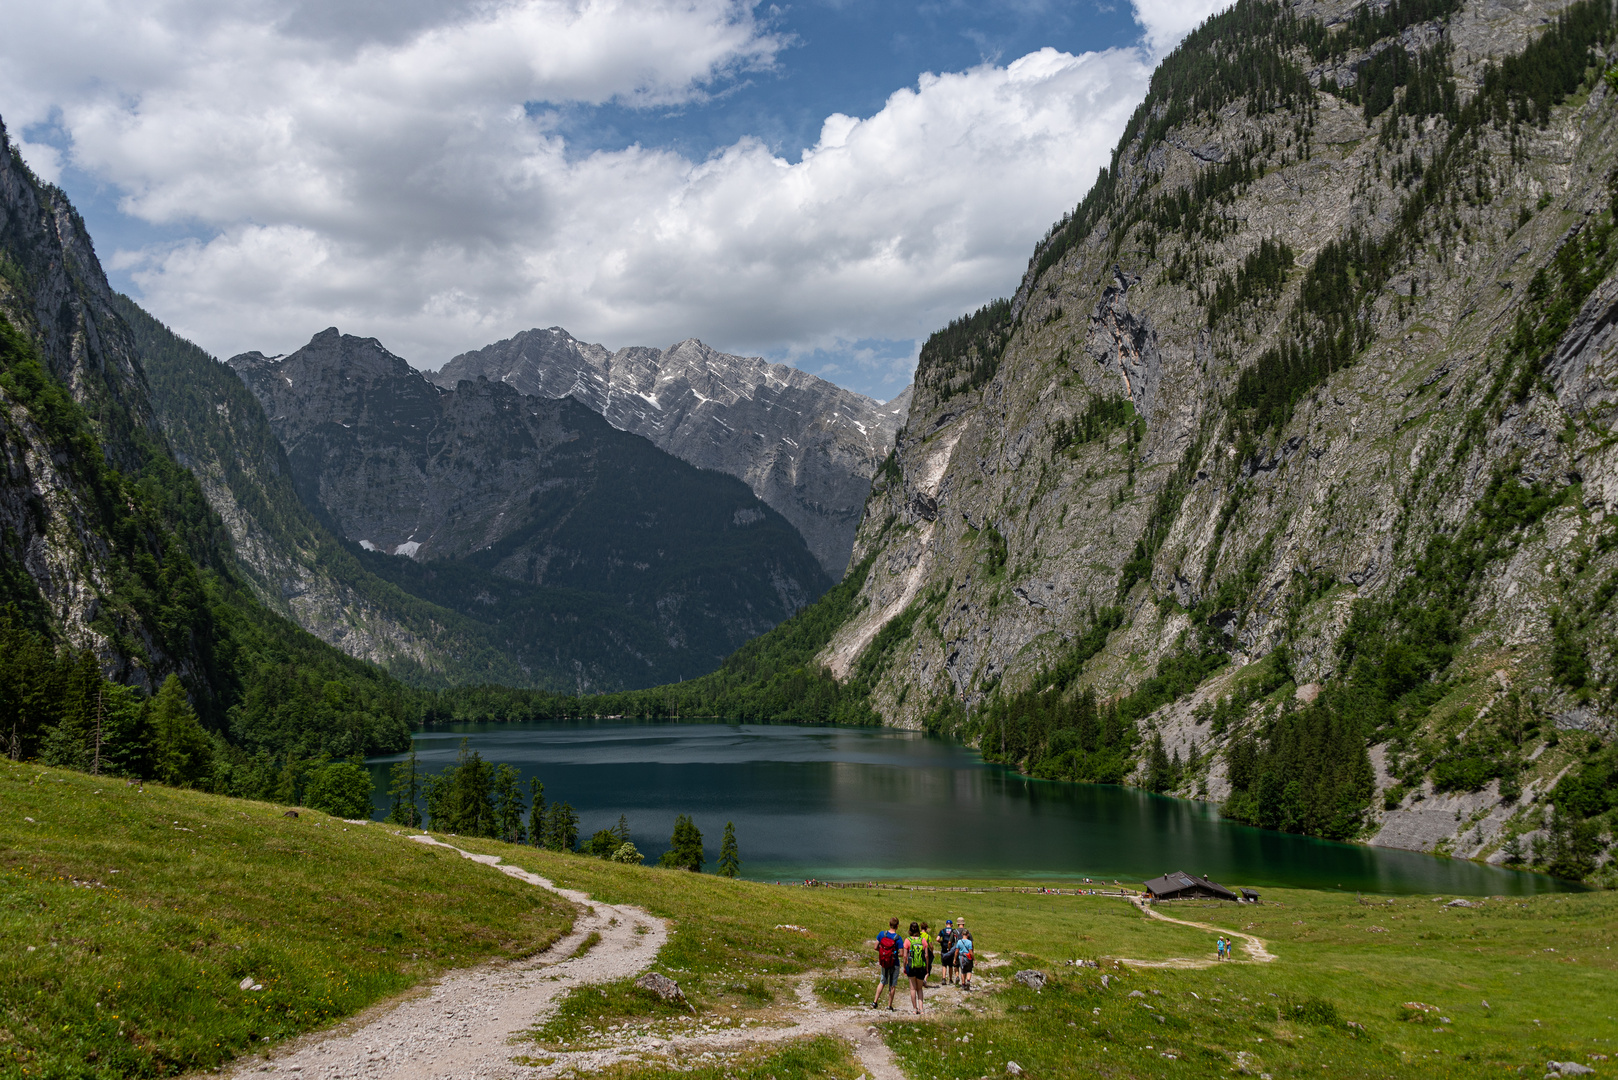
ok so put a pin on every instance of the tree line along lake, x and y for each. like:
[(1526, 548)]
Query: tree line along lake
[(851, 804)]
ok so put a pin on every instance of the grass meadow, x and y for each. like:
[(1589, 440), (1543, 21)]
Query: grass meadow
[(130, 918)]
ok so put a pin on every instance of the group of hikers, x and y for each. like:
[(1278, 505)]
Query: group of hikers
[(914, 953)]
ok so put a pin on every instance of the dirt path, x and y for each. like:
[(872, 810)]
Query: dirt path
[(462, 1025), (468, 1025), (1256, 951)]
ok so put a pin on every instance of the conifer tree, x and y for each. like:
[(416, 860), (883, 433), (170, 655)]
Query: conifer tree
[(1159, 773), (730, 862), (685, 847), (405, 792), (562, 827), (508, 803), (182, 750), (536, 811), (70, 744), (30, 686)]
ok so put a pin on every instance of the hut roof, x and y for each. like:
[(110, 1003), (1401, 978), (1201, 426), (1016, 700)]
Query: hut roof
[(1180, 883)]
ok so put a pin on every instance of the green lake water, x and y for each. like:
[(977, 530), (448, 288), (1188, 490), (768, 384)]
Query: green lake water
[(861, 803)]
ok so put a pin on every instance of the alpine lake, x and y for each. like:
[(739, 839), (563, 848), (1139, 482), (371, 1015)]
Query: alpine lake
[(859, 804)]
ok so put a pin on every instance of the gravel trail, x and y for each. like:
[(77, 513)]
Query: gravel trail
[(1254, 946), (461, 1027), (468, 1025)]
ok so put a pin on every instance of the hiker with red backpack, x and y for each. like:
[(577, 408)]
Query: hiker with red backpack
[(887, 959), (916, 949)]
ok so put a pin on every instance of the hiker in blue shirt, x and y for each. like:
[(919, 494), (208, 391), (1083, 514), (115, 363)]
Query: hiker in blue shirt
[(887, 958), (946, 943), (963, 951)]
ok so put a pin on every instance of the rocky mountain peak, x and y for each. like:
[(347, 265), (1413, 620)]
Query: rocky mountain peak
[(686, 563), (806, 446)]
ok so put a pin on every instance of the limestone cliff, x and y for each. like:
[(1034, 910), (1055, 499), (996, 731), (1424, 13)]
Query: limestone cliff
[(1298, 428)]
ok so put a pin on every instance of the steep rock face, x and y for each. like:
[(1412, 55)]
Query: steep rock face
[(63, 558), (1301, 421), (55, 291), (540, 492), (806, 447), (296, 566)]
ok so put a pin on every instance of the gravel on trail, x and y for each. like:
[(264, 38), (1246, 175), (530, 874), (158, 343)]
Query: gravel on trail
[(469, 1024)]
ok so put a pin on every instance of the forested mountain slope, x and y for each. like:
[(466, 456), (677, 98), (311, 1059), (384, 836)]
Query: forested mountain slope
[(595, 560), (1284, 478), (116, 578), (806, 447)]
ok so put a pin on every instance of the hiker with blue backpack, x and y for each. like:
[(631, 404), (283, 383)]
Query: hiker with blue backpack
[(946, 955), (887, 959)]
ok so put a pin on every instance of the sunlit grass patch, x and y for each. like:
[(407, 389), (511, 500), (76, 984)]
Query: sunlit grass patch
[(845, 991), (591, 1014), (129, 920)]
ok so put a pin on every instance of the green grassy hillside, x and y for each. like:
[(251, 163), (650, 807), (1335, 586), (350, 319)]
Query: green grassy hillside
[(128, 917)]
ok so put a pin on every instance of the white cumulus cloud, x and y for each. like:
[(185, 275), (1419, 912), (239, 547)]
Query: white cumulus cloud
[(396, 171)]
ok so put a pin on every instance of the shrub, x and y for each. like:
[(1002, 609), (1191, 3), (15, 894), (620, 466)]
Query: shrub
[(340, 788)]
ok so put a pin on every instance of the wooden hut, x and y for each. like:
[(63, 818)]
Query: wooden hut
[(1183, 886)]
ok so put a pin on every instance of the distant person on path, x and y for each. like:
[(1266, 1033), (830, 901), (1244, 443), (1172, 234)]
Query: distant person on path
[(887, 959), (916, 966), (946, 951), (927, 936)]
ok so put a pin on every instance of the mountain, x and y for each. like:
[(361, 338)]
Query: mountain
[(1291, 454), (601, 561), (806, 447), (116, 578), (295, 564), (1284, 480)]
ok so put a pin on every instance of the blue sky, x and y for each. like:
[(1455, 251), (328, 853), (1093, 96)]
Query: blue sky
[(821, 183)]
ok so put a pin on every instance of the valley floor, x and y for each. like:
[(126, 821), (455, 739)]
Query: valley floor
[(149, 932)]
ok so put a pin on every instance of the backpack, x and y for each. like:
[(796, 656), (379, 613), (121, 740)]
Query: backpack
[(887, 946), (915, 955), (946, 939)]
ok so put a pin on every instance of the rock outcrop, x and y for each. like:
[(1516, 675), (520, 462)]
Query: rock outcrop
[(806, 447)]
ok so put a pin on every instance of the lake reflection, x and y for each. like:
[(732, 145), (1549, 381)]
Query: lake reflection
[(858, 803)]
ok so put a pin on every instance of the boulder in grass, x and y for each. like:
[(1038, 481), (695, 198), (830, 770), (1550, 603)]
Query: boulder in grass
[(1418, 1011), (1013, 1069), (1567, 1068), (1034, 980), (664, 987)]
